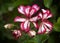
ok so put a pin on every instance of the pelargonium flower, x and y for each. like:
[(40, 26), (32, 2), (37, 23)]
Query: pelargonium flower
[(45, 26), (28, 11)]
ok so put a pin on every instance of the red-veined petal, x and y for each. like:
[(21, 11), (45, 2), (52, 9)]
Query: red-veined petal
[(46, 14), (40, 16), (36, 25), (21, 9), (32, 11), (27, 10), (19, 19), (34, 19), (41, 30), (36, 7), (49, 16), (25, 26), (48, 24)]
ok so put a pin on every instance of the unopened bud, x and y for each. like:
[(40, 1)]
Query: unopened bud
[(31, 33), (9, 26), (16, 33)]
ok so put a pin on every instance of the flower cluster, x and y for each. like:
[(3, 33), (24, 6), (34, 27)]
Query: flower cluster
[(28, 11)]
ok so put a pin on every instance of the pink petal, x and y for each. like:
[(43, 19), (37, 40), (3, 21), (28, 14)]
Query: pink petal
[(36, 7), (21, 9), (27, 10), (34, 19), (41, 29), (36, 25), (19, 19), (25, 26)]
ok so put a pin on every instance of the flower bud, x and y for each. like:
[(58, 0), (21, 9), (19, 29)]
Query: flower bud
[(16, 33), (9, 26), (31, 33)]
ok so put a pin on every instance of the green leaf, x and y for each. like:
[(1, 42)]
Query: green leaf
[(57, 25), (43, 38), (58, 20), (48, 3), (51, 39)]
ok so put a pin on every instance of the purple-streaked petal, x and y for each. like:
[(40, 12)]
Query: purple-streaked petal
[(19, 19), (21, 9), (47, 29), (21, 26), (34, 19)]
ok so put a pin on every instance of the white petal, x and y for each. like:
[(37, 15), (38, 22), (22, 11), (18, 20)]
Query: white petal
[(26, 25), (19, 19), (32, 12), (45, 16), (49, 25), (36, 7), (41, 29), (27, 10), (21, 9), (40, 15), (36, 25), (49, 16), (43, 10), (47, 29), (34, 19)]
